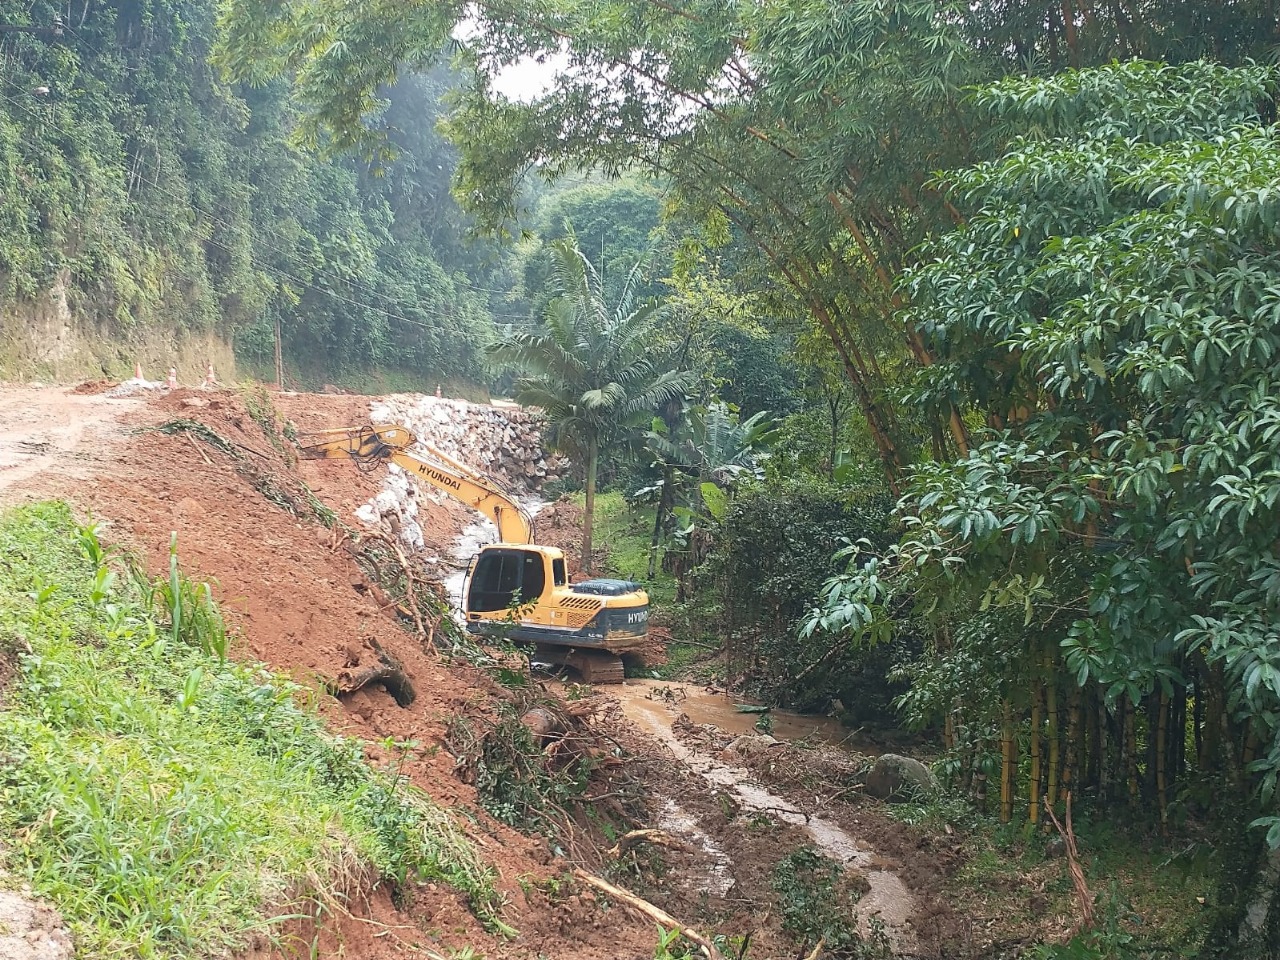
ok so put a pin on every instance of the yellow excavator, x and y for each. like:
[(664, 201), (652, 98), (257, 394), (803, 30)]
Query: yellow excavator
[(514, 588)]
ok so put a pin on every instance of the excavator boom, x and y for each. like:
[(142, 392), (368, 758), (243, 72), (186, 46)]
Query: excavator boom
[(374, 445)]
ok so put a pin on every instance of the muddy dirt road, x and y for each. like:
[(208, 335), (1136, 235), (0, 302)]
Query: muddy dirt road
[(51, 438), (655, 705)]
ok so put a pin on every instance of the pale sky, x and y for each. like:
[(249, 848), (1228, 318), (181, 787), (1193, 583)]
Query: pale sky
[(523, 81)]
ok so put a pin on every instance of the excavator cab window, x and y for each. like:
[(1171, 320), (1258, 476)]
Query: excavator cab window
[(534, 578), (558, 575), (501, 576)]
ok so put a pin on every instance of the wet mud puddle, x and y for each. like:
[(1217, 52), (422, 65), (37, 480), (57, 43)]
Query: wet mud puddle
[(888, 897)]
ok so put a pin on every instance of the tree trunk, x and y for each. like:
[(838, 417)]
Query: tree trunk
[(279, 357), (665, 501), (588, 513)]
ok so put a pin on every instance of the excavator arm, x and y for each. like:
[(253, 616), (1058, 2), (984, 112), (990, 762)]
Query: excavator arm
[(371, 446)]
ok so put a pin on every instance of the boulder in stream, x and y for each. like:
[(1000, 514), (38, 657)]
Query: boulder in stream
[(898, 779)]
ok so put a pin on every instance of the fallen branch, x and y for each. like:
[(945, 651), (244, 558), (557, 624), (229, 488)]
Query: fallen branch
[(636, 837), (203, 456), (426, 635), (656, 914), (817, 951), (1073, 864)]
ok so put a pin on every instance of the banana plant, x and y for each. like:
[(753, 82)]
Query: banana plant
[(702, 459)]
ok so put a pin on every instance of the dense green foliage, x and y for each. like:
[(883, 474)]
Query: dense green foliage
[(160, 198), (162, 796), (1111, 307), (819, 906), (775, 549)]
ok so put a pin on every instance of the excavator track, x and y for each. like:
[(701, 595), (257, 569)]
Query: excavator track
[(594, 666)]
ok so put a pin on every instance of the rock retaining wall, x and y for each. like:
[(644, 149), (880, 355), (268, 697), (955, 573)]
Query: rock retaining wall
[(504, 443)]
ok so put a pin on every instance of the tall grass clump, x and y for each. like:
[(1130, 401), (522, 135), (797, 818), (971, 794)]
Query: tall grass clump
[(168, 800)]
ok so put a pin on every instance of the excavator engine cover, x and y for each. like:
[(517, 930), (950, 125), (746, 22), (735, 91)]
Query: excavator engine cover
[(604, 587)]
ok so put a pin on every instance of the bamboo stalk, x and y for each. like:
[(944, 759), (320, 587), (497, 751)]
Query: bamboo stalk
[(1098, 767), (1162, 747), (1075, 745), (1131, 750), (1052, 730), (1006, 763), (1033, 808)]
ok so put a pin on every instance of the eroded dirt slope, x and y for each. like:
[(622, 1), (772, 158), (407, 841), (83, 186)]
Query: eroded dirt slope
[(299, 602)]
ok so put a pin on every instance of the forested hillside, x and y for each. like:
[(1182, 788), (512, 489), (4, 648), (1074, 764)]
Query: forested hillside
[(153, 198)]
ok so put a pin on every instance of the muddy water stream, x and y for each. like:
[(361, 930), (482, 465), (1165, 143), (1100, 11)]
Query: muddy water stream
[(653, 705)]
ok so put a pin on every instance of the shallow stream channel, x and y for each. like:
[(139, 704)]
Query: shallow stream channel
[(654, 705)]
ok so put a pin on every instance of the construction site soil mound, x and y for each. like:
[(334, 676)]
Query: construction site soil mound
[(297, 602)]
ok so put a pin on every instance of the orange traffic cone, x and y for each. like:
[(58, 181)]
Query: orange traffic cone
[(438, 394), (210, 381), (137, 371), (173, 378)]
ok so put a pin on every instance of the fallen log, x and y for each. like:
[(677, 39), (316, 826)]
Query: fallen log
[(656, 914), (542, 723), (388, 671)]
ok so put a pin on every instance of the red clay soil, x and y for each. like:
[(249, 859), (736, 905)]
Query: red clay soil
[(303, 608)]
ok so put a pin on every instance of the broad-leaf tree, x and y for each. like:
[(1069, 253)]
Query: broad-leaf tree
[(702, 459), (805, 129), (592, 368)]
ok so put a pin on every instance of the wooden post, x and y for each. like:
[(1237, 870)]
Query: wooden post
[(279, 356)]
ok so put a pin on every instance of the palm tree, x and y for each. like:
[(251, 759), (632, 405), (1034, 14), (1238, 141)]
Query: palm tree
[(592, 368)]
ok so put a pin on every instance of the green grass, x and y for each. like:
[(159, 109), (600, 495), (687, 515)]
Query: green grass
[(627, 530), (1150, 894), (167, 800)]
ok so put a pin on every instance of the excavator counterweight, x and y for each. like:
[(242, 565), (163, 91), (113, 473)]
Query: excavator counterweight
[(513, 589)]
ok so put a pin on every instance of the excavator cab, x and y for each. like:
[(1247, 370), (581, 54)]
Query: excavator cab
[(503, 577)]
